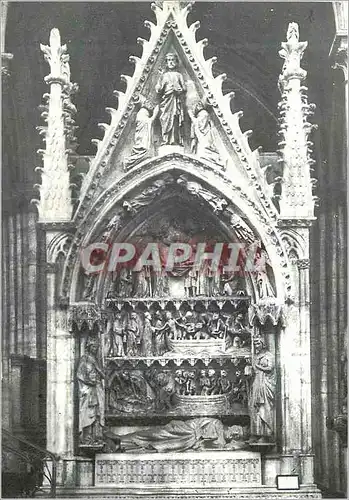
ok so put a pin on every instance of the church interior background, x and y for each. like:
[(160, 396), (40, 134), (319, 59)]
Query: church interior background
[(174, 122)]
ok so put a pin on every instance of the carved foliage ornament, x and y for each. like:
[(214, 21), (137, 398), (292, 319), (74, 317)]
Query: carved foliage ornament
[(88, 314), (292, 51), (56, 55)]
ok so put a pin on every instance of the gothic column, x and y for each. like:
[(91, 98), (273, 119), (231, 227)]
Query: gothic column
[(60, 378), (296, 216), (335, 298), (297, 454)]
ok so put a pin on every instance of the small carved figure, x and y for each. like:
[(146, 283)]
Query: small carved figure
[(115, 338), (141, 390), (214, 381), (91, 395), (124, 283), (239, 391), (147, 336), (209, 282), (189, 325), (239, 323), (237, 344), (203, 140), (224, 383), (164, 385), (190, 386), (205, 383), (112, 226), (90, 289), (180, 380), (160, 339), (204, 330), (171, 88), (264, 286), (143, 134), (142, 282), (262, 397), (190, 282), (216, 326), (171, 325), (232, 285), (161, 286), (132, 334)]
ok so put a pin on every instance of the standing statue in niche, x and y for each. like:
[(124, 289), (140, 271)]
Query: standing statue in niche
[(91, 395), (264, 287), (171, 88), (143, 134), (203, 140), (262, 393)]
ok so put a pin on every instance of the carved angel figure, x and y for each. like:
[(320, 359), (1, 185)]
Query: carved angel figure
[(218, 204), (112, 226), (264, 287), (133, 205), (242, 230), (203, 140), (143, 134)]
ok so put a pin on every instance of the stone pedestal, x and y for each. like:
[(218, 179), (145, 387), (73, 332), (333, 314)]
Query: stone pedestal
[(201, 469), (168, 149)]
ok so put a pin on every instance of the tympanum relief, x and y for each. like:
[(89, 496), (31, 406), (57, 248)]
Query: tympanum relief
[(171, 116)]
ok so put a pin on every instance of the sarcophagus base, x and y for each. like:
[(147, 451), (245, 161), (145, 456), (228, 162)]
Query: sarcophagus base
[(217, 468)]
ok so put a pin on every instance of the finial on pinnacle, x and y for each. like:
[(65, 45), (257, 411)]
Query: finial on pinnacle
[(292, 51), (173, 4), (55, 54)]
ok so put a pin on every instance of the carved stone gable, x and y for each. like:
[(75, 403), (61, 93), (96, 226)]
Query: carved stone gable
[(173, 103)]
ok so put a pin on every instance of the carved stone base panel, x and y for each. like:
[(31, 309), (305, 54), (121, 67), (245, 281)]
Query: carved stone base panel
[(174, 469), (76, 477), (195, 493)]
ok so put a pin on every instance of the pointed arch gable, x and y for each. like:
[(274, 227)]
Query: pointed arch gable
[(177, 165), (171, 28)]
